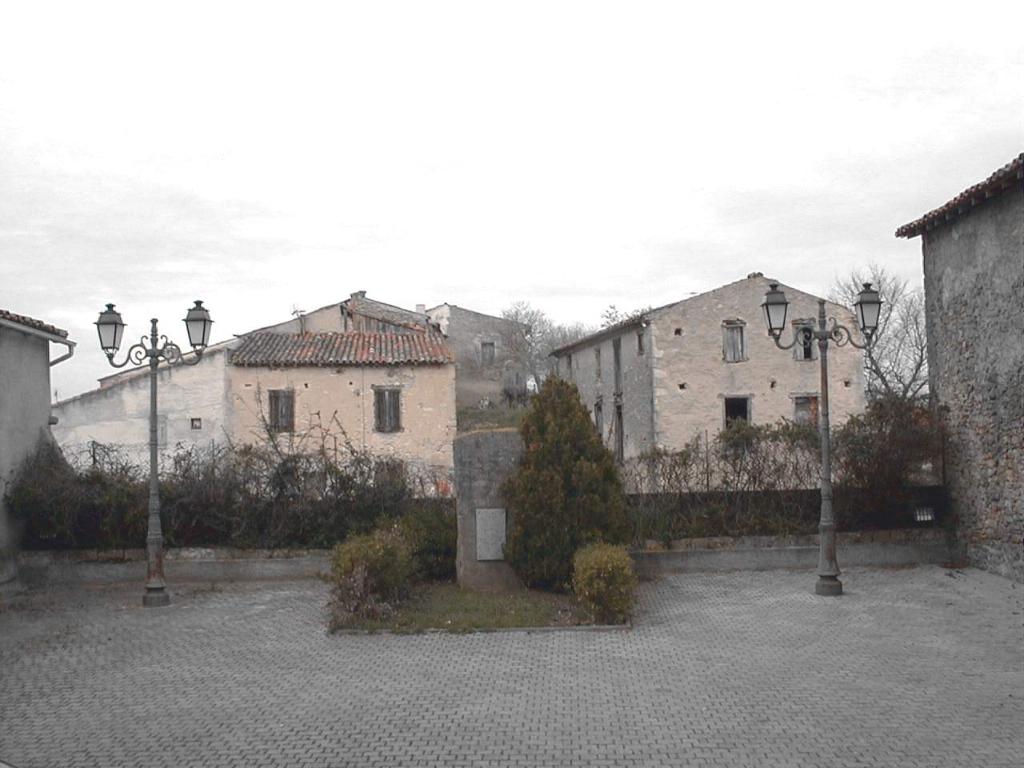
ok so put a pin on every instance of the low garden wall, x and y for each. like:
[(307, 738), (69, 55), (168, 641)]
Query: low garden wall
[(753, 553), (758, 553), (185, 564)]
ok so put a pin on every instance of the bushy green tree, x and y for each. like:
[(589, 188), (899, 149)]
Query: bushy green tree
[(566, 491)]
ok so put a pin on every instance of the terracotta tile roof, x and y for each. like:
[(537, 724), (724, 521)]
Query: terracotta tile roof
[(31, 322), (338, 349), (1006, 177)]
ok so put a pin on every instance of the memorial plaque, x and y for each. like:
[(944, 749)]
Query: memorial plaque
[(490, 534)]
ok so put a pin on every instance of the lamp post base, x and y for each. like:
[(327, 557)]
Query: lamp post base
[(829, 586), (156, 598)]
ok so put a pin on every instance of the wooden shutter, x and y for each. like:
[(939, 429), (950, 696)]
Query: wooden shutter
[(387, 410), (733, 343)]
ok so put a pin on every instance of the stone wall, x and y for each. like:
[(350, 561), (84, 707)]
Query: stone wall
[(974, 286), (117, 413), (24, 418), (467, 332), (692, 379), (341, 401), (482, 462)]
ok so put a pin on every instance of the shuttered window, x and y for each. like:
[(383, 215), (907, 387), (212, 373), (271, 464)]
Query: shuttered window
[(804, 349), (282, 410), (805, 410), (387, 410), (733, 347), (487, 352)]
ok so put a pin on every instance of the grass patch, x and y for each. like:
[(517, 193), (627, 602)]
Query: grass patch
[(470, 419), (450, 608)]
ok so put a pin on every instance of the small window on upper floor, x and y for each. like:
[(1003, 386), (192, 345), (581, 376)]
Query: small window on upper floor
[(804, 347), (487, 352), (734, 348), (281, 410), (640, 341), (597, 362)]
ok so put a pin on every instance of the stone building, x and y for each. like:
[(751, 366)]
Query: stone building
[(669, 374), (391, 394), (367, 373), (488, 370), (973, 248), (25, 417)]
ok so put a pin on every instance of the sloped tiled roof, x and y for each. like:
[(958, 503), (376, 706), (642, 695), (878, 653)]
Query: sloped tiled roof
[(338, 349), (1011, 174), (31, 322)]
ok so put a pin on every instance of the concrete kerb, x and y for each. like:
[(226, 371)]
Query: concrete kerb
[(492, 630), (188, 565)]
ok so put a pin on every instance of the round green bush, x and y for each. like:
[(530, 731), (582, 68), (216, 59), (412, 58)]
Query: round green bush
[(603, 580), (371, 573), (431, 532)]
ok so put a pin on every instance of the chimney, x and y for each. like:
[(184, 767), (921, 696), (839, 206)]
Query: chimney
[(755, 274), (359, 295), (421, 309)]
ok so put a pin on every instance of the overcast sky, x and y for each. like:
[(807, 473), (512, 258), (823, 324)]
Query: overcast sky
[(573, 155)]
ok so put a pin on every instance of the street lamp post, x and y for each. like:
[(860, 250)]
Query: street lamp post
[(867, 309), (155, 348)]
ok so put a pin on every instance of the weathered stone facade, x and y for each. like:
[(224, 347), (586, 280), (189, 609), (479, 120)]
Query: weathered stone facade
[(974, 288), (485, 364), (339, 403), (674, 380)]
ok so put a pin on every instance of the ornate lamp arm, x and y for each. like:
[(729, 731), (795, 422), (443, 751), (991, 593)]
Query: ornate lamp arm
[(172, 353), (842, 336), (136, 354), (801, 335)]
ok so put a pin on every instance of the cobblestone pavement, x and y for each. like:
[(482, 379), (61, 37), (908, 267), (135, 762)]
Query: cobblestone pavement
[(914, 667)]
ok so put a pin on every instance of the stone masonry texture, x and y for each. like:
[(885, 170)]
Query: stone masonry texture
[(974, 284), (737, 669)]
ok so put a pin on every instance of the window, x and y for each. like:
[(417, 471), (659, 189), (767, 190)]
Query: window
[(568, 366), (640, 341), (387, 409), (733, 348), (617, 363), (599, 418), (804, 348), (196, 423), (282, 410), (737, 409), (597, 362), (487, 352), (620, 438), (805, 409)]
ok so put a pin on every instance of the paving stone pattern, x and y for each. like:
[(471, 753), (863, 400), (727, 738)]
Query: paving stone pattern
[(914, 667)]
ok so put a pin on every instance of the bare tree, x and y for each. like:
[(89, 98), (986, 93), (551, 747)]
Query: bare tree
[(537, 335), (896, 365), (613, 315)]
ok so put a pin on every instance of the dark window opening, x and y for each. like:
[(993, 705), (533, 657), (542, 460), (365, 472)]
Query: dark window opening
[(282, 410), (197, 423), (597, 362), (599, 418), (737, 409), (487, 352), (640, 342), (568, 366), (620, 438), (678, 332), (617, 363), (387, 410)]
